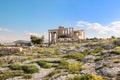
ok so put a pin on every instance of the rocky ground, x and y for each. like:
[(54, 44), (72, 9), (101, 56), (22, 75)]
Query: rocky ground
[(65, 61)]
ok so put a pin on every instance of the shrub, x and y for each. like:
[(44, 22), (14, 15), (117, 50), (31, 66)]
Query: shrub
[(44, 64), (77, 56), (98, 59), (16, 66), (116, 42), (63, 65), (8, 60), (1, 62), (56, 61), (74, 67), (118, 74), (27, 76), (117, 48), (30, 69), (87, 77), (110, 75), (96, 77), (51, 74), (115, 60), (117, 52), (24, 58), (10, 74), (1, 55), (47, 65), (97, 49)]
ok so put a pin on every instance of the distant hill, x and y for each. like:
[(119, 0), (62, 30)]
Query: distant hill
[(22, 41)]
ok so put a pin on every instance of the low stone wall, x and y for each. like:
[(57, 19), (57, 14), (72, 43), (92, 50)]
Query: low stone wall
[(10, 50)]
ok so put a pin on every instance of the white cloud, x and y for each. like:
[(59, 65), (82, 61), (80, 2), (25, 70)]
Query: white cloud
[(4, 29), (36, 34), (101, 30)]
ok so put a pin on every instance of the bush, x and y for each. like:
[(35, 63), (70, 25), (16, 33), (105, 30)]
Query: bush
[(98, 59), (116, 42), (10, 74), (1, 62), (16, 66), (27, 76), (118, 74), (24, 58), (117, 52), (1, 55), (115, 60), (91, 77), (47, 65), (74, 67), (63, 65), (87, 77), (97, 49), (52, 74), (30, 69), (44, 64), (77, 56), (56, 61)]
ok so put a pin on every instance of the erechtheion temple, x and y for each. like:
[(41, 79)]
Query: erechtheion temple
[(65, 34)]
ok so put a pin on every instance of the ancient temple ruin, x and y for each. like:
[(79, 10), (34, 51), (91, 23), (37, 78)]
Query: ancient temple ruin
[(65, 34)]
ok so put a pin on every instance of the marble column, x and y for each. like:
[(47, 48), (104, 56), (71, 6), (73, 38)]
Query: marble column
[(49, 38), (57, 36), (67, 32), (52, 38), (72, 29)]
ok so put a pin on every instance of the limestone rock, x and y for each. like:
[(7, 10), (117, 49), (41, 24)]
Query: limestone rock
[(87, 58), (110, 71)]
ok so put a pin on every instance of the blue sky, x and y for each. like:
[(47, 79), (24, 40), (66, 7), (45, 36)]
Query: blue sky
[(19, 18)]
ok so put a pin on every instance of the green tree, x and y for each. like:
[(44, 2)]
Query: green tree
[(37, 40), (40, 40), (113, 37), (17, 44), (33, 39)]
